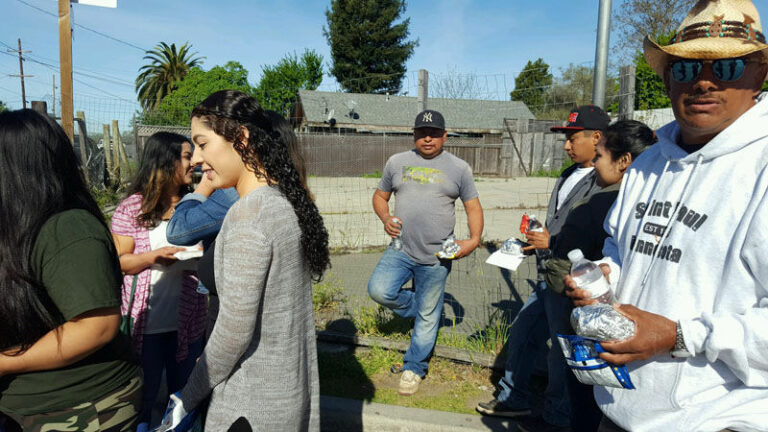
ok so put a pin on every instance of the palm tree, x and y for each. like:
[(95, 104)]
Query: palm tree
[(166, 68)]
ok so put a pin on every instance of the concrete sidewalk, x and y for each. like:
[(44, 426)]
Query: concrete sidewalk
[(349, 415)]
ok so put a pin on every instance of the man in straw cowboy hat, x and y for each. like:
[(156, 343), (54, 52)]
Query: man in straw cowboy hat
[(688, 234)]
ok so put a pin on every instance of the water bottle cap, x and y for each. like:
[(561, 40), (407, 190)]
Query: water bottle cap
[(575, 255)]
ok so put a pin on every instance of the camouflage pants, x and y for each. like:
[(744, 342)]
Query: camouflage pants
[(115, 412)]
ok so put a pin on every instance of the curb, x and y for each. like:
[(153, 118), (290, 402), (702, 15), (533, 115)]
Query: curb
[(340, 414)]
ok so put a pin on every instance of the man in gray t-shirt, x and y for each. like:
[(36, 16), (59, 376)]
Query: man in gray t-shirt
[(426, 182)]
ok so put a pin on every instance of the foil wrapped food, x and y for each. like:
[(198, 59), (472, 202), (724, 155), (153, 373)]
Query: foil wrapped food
[(450, 248), (602, 322), (512, 246)]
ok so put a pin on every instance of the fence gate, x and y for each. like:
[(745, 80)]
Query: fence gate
[(529, 146)]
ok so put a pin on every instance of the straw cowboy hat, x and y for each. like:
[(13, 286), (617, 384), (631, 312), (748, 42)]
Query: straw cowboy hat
[(713, 29)]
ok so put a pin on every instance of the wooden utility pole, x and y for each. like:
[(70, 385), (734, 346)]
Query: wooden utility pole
[(21, 74), (65, 71)]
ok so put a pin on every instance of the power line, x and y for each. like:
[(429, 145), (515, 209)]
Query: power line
[(54, 68), (81, 70), (84, 27), (103, 91)]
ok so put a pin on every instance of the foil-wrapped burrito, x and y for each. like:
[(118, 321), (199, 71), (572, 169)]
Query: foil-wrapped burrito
[(602, 322)]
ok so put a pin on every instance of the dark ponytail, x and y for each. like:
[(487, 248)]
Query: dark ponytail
[(628, 136)]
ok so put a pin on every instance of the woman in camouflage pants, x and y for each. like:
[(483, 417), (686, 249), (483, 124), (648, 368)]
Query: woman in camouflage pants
[(64, 366)]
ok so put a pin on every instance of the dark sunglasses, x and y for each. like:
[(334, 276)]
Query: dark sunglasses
[(729, 69)]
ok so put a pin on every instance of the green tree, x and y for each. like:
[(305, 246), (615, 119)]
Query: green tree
[(167, 67), (3, 107), (368, 48), (650, 92), (532, 84), (280, 84), (176, 108)]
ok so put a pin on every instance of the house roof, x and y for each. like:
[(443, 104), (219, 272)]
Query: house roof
[(374, 112)]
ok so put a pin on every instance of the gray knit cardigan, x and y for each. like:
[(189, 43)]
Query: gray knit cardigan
[(260, 362)]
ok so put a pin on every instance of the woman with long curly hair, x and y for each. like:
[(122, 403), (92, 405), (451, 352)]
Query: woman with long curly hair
[(159, 292), (260, 363), (63, 363)]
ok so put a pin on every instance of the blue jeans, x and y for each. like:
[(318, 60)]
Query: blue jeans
[(526, 343), (424, 303), (527, 338), (158, 353)]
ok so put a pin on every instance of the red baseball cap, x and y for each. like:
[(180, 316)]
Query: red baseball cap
[(590, 117)]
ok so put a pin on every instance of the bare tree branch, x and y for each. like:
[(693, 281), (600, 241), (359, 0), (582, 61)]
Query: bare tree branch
[(454, 85), (636, 18)]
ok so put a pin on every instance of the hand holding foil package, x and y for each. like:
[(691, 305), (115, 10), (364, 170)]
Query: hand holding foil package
[(595, 323), (450, 248), (602, 322)]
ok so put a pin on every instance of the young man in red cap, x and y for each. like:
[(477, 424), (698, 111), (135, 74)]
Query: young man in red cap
[(534, 323)]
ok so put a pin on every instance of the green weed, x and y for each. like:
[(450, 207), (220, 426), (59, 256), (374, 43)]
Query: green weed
[(380, 321), (105, 197), (553, 173), (375, 174), (328, 294)]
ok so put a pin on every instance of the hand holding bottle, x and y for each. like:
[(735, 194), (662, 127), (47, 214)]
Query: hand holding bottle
[(589, 279)]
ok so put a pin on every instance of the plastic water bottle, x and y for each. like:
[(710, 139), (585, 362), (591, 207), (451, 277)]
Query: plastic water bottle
[(588, 276), (534, 225), (397, 242)]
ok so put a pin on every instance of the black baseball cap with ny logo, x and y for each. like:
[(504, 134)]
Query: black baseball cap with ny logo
[(429, 119)]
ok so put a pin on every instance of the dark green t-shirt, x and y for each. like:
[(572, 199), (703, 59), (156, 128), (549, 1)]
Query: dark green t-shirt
[(76, 261)]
